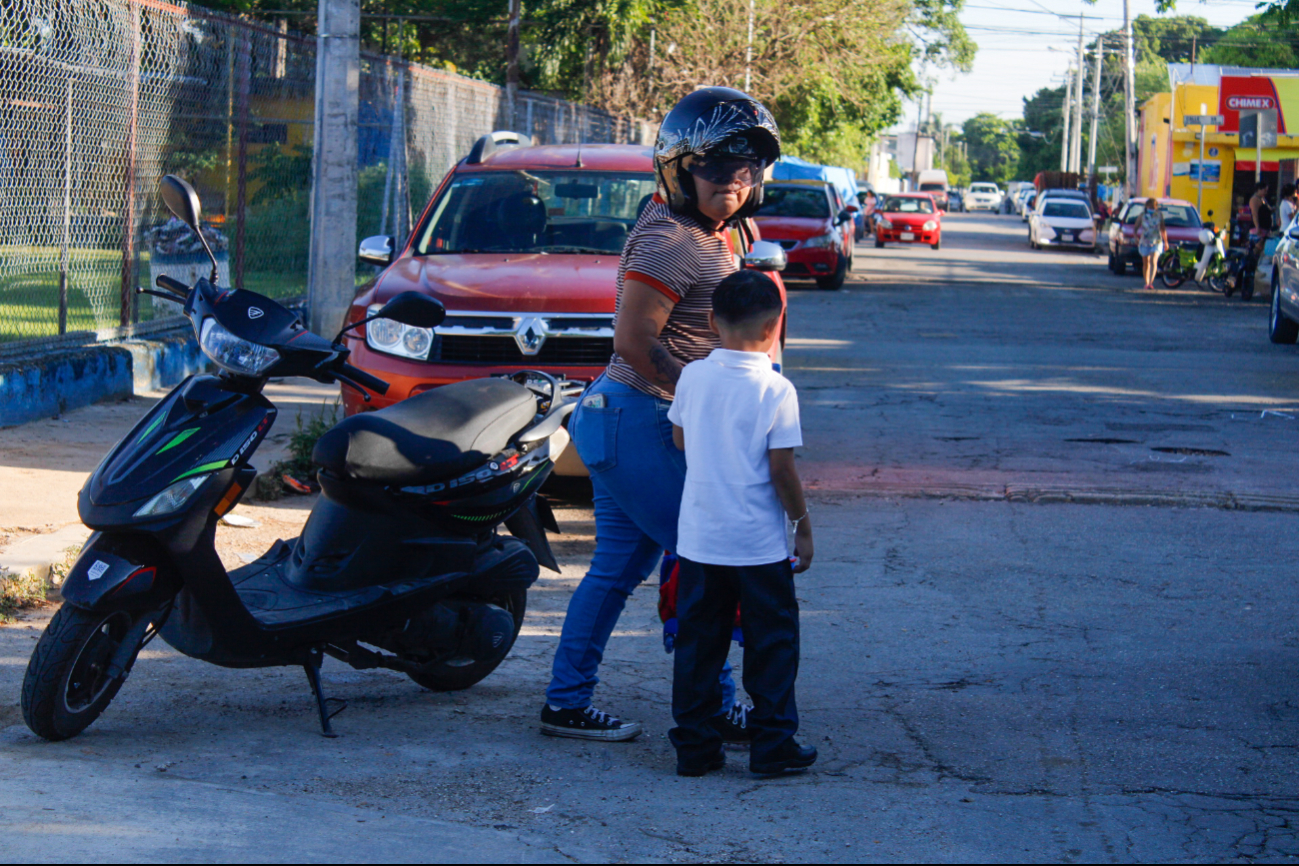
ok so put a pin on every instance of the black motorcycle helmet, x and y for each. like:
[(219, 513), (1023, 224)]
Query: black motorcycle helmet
[(716, 123)]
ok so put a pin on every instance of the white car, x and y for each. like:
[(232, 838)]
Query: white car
[(1061, 222), (985, 196)]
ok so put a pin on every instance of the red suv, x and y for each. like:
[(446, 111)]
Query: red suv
[(813, 225), (521, 245)]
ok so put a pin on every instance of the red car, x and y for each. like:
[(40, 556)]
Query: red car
[(521, 244), (909, 218), (812, 224)]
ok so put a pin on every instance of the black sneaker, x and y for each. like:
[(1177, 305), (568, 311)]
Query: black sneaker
[(587, 724), (734, 725), (789, 759), (691, 769)]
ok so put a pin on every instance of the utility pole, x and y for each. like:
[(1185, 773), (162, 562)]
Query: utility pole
[(748, 52), (1129, 103), (1096, 111), (512, 62), (1068, 106), (331, 268), (1075, 147)]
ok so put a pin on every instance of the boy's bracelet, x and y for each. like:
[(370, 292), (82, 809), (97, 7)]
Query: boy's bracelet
[(800, 520)]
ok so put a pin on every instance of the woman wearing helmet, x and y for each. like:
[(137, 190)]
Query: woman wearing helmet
[(712, 151)]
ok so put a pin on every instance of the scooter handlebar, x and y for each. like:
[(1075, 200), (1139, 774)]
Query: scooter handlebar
[(172, 285), (360, 377)]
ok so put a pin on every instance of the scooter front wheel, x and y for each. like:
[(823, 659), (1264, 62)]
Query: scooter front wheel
[(77, 668), (452, 677)]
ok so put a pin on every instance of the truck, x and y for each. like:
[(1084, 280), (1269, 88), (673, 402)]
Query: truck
[(1056, 180), (934, 182)]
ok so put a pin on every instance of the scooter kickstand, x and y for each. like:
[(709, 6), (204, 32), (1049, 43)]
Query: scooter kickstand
[(312, 666)]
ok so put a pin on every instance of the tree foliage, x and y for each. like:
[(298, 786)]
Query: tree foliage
[(992, 147)]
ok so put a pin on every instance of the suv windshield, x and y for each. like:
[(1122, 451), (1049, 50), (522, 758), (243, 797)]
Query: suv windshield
[(536, 212), (908, 205), (1175, 215), (928, 187), (1070, 209), (793, 201)]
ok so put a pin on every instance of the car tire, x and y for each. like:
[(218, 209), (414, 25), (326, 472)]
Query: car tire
[(1111, 264), (1120, 266), (937, 244), (835, 280), (879, 244), (1281, 329)]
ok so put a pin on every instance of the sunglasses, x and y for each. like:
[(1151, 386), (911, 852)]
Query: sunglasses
[(724, 170)]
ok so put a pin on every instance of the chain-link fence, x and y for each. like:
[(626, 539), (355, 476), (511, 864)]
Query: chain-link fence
[(100, 98)]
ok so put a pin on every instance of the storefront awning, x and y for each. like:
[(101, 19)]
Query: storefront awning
[(1272, 157)]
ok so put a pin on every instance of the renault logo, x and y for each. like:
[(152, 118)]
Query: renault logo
[(530, 335)]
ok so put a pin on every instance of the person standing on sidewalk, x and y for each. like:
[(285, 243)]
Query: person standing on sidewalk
[(710, 157)]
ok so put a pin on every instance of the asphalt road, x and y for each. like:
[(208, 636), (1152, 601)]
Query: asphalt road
[(1029, 635)]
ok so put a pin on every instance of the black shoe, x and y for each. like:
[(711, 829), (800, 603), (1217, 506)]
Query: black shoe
[(587, 724), (693, 769), (792, 758), (734, 725)]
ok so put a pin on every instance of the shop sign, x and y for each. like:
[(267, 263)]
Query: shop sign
[(1240, 94)]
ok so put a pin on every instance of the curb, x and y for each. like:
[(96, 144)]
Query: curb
[(53, 382)]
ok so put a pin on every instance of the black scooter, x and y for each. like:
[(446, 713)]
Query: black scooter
[(399, 566)]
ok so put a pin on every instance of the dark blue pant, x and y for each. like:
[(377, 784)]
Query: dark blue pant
[(706, 599)]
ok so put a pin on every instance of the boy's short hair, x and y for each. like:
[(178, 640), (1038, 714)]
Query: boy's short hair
[(746, 296)]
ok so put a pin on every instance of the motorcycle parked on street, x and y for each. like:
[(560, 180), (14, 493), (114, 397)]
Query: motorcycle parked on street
[(399, 566), (1214, 267)]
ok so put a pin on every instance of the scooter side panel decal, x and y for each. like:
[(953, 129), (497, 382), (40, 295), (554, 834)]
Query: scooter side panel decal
[(177, 439), (199, 470), (150, 429)]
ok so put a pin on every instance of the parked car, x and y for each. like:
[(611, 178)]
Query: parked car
[(909, 218), (1283, 320), (983, 196), (813, 225), (521, 244), (955, 201), (1060, 221), (1030, 201), (1181, 219)]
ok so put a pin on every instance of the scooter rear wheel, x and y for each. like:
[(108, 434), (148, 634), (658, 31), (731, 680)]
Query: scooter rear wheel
[(447, 677), (67, 685)]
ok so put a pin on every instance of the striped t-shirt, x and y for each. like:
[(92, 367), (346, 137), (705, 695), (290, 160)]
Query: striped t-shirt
[(685, 261)]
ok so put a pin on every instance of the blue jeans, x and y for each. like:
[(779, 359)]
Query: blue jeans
[(637, 475)]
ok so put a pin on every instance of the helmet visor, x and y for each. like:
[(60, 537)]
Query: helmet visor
[(724, 169)]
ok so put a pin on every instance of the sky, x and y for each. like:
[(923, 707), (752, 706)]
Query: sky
[(1024, 47)]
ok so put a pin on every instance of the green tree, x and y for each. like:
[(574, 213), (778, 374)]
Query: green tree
[(992, 148)]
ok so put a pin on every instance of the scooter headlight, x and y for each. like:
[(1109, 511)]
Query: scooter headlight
[(173, 498), (394, 338), (235, 354)]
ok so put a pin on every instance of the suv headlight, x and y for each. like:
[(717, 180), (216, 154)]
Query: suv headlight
[(235, 354), (394, 338)]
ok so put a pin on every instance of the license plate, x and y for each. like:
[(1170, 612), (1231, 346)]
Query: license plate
[(907, 236)]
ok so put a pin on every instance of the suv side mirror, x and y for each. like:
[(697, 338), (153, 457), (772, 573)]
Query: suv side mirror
[(376, 250), (766, 256)]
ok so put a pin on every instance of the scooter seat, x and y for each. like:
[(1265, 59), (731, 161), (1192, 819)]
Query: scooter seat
[(429, 437)]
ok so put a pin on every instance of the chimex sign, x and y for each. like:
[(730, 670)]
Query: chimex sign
[(1237, 93)]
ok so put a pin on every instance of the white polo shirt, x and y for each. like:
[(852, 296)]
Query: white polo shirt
[(734, 409)]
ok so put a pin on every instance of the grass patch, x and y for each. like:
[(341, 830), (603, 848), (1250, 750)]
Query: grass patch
[(299, 465)]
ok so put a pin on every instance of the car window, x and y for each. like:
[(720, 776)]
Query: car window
[(794, 201), (1070, 209), (929, 187), (898, 204), (983, 187), (536, 212)]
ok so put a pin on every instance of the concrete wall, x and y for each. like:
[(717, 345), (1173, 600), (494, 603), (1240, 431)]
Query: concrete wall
[(58, 381)]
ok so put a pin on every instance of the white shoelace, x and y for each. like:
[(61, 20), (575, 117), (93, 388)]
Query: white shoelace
[(739, 715), (600, 718)]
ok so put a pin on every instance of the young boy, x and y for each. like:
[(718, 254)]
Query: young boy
[(737, 420)]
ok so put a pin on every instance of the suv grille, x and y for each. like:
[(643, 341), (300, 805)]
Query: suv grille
[(575, 351)]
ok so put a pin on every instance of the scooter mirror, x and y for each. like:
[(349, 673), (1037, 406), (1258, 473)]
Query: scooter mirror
[(181, 200), (414, 309)]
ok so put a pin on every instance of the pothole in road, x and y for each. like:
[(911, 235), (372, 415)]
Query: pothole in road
[(1192, 452), (1107, 441)]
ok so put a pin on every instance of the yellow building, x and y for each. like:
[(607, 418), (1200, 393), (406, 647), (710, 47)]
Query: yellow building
[(1170, 162)]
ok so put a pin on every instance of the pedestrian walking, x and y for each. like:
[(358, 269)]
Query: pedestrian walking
[(1152, 239), (737, 421), (710, 157), (1289, 201)]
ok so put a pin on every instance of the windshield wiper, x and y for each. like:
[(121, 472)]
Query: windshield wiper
[(574, 249)]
